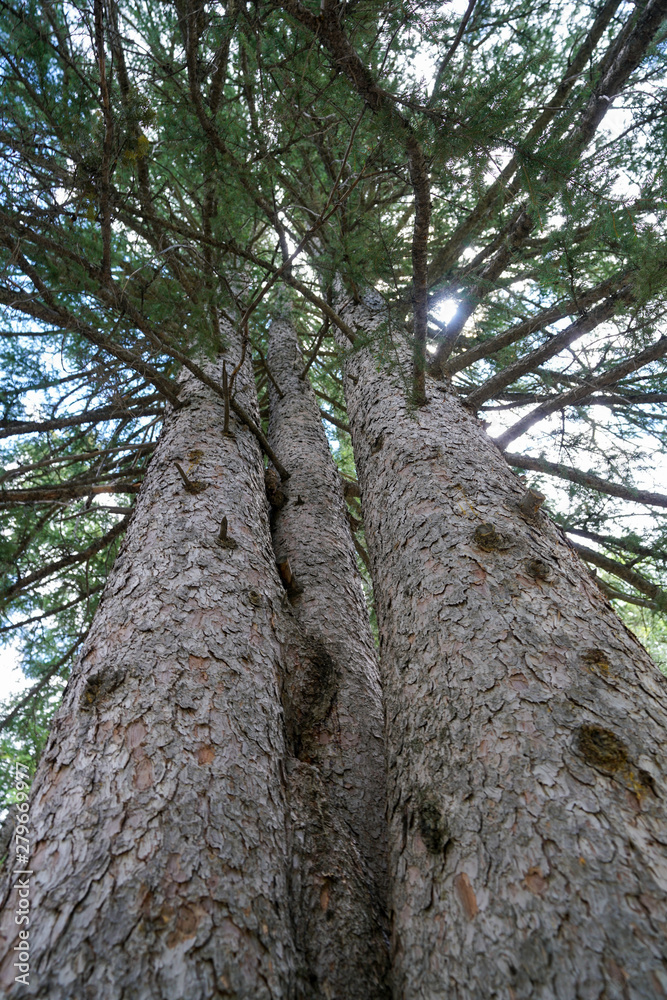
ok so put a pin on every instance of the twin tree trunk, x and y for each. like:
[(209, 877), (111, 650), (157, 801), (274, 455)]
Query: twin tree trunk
[(208, 819)]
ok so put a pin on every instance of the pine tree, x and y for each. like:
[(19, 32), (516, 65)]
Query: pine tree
[(220, 228)]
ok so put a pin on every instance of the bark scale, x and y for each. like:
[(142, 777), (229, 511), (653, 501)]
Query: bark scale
[(159, 814), (333, 704), (526, 726)]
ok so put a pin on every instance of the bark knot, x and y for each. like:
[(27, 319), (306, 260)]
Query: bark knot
[(539, 569), (489, 540), (432, 827), (602, 748), (378, 443), (596, 660), (99, 686)]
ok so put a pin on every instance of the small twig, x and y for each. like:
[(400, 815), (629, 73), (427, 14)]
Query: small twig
[(318, 343), (191, 485), (223, 539)]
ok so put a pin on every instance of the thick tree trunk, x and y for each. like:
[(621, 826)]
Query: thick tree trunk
[(159, 816), (333, 707), (526, 726)]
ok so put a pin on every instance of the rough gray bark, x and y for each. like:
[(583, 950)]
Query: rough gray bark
[(159, 813), (333, 708), (526, 726)]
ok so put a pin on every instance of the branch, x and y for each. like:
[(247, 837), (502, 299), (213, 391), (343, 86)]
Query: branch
[(619, 398), (616, 74), (645, 357), (9, 428), (548, 349), (71, 560), (636, 580), (324, 329), (445, 259), (327, 29), (619, 595), (63, 491), (440, 75), (54, 611), (56, 316), (586, 479), (41, 684), (627, 544), (335, 421), (535, 323), (45, 463)]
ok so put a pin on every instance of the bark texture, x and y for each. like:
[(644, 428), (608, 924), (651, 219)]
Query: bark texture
[(159, 814), (526, 726), (333, 703)]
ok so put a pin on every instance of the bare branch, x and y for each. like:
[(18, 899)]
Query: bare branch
[(587, 479), (623, 572)]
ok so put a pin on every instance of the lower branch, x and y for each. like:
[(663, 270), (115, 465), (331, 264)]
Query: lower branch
[(586, 479)]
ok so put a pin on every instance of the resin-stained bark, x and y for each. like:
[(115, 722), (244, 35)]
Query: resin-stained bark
[(526, 727), (158, 815), (332, 702)]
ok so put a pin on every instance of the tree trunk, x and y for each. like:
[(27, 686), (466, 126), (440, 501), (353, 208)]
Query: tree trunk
[(526, 726), (334, 707), (159, 816)]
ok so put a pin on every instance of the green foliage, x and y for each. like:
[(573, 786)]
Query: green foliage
[(650, 629)]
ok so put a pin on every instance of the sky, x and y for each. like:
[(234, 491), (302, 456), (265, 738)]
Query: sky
[(11, 677)]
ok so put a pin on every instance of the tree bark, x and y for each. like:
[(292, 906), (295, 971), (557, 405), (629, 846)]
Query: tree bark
[(334, 707), (525, 724), (158, 816)]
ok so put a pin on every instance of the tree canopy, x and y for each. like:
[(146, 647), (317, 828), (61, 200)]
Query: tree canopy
[(494, 170)]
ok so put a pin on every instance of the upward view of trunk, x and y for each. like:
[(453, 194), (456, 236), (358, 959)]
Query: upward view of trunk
[(159, 815), (337, 776), (526, 726)]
